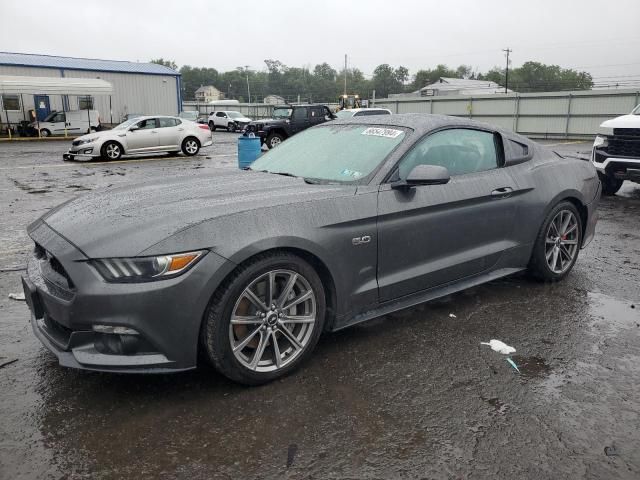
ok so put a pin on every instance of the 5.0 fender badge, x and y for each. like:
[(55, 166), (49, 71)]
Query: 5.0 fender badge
[(361, 240)]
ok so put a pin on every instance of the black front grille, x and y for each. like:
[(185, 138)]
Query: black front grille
[(624, 147), (52, 269), (630, 132)]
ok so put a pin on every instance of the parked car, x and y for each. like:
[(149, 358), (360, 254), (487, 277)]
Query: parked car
[(229, 120), (287, 121), (362, 112), (147, 134), (342, 223), (74, 122), (616, 151)]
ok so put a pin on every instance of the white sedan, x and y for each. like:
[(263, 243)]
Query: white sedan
[(141, 135)]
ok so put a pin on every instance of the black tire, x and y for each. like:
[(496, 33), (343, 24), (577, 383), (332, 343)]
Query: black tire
[(212, 126), (231, 127), (215, 334), (111, 151), (610, 185), (274, 139), (539, 267), (45, 133), (190, 146)]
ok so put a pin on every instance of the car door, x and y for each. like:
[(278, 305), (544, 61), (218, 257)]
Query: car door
[(169, 132), (144, 137), (299, 119), (434, 234), (59, 123), (221, 119), (316, 116)]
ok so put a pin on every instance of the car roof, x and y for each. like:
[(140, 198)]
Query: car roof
[(423, 123), (356, 110)]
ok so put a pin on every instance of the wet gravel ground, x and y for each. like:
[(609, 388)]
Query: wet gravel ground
[(409, 395)]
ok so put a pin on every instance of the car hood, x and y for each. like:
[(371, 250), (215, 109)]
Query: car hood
[(100, 134), (125, 221), (269, 121), (625, 121)]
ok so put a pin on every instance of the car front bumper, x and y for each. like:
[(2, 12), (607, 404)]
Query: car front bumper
[(166, 314), (620, 167)]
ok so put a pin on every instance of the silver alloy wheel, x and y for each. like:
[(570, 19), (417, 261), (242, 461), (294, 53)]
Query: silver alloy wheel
[(44, 133), (231, 127), (191, 146), (275, 141), (272, 321), (561, 241), (113, 151)]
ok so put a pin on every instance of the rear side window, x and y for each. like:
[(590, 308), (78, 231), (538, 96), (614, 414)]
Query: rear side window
[(167, 122), (460, 150), (220, 114), (317, 112)]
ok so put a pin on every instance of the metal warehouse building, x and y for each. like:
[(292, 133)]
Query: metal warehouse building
[(144, 88)]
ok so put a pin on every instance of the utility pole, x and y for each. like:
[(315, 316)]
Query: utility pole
[(506, 74), (345, 74), (246, 71)]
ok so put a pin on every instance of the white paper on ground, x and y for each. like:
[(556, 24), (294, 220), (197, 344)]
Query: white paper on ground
[(500, 347), (16, 296)]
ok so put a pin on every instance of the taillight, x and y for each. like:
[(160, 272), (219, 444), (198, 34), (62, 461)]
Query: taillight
[(204, 127)]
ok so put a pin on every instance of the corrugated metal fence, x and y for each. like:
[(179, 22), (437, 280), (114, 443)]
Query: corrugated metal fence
[(540, 115)]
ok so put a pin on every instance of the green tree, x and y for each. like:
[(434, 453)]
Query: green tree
[(538, 77), (167, 63), (194, 78)]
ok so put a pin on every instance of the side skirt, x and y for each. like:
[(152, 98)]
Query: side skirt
[(424, 296)]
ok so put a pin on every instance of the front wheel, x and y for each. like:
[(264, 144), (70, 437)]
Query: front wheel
[(212, 126), (610, 185), (45, 133), (111, 151), (231, 127), (190, 146), (265, 320), (557, 244), (274, 139)]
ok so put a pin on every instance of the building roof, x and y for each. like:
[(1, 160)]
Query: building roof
[(446, 83), (206, 88), (72, 63)]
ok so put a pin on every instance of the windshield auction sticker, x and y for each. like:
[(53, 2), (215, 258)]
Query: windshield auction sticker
[(382, 132)]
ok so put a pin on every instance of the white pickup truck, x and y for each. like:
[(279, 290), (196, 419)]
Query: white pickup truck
[(229, 120), (616, 151)]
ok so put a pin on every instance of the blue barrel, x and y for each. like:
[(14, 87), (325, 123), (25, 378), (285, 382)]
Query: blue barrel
[(249, 150)]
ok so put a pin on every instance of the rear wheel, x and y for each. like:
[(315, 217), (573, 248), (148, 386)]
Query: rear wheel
[(190, 146), (111, 151), (274, 139), (265, 320), (558, 243), (610, 185)]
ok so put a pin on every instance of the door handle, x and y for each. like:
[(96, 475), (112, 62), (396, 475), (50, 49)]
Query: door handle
[(181, 129), (502, 192), (153, 131)]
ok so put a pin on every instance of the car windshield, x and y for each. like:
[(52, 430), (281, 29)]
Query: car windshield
[(344, 114), (235, 115), (336, 153), (282, 112), (126, 124)]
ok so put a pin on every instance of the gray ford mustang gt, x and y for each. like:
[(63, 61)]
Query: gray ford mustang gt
[(342, 223)]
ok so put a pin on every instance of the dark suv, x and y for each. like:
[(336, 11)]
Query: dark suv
[(287, 121)]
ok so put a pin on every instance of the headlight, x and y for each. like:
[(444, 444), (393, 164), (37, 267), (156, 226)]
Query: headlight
[(87, 140), (145, 269), (600, 141)]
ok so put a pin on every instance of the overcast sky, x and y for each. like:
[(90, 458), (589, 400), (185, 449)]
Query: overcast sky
[(600, 37)]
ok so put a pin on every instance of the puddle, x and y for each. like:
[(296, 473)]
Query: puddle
[(532, 366), (611, 314)]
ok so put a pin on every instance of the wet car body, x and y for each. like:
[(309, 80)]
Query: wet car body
[(376, 248)]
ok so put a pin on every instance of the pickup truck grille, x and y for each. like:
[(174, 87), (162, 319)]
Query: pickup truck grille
[(620, 146), (626, 132)]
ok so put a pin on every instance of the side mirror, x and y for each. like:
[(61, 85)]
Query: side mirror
[(133, 128), (425, 175)]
